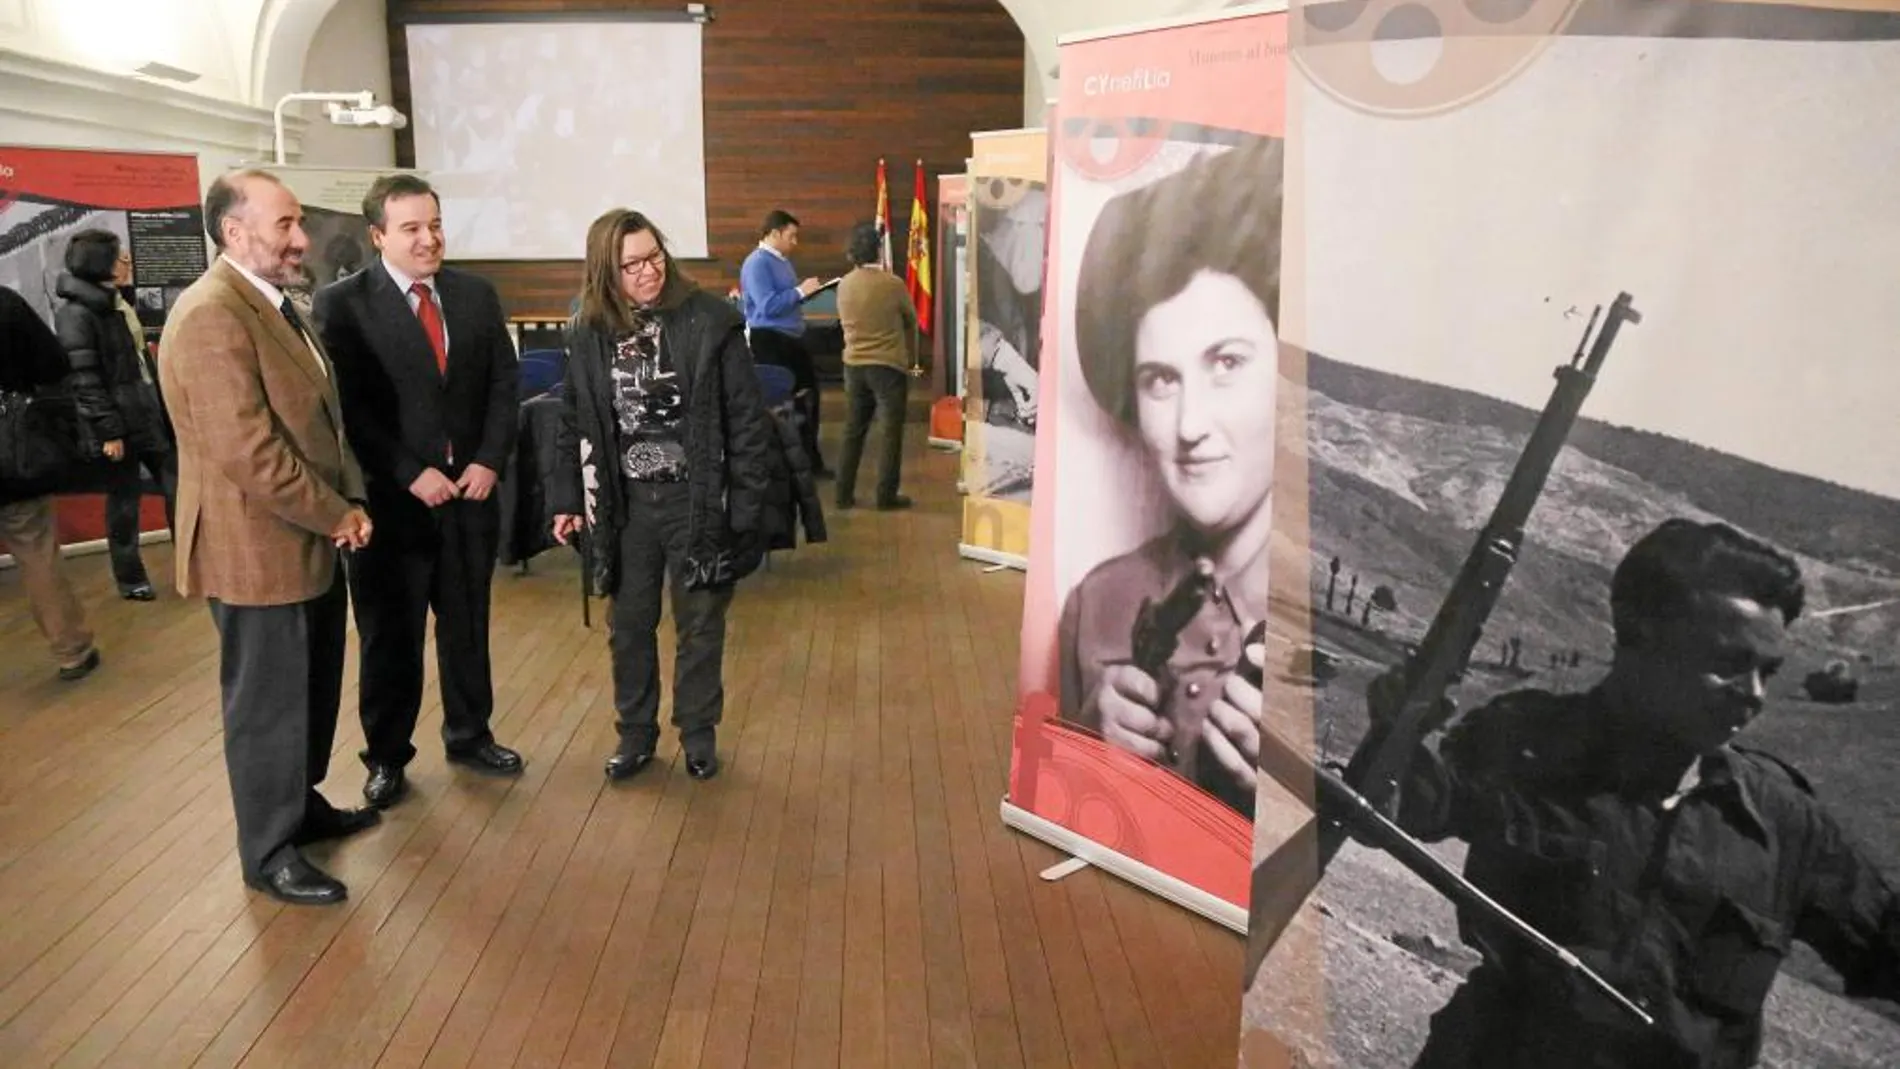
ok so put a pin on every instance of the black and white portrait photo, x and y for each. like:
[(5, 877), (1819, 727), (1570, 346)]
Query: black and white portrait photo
[(1166, 463), (1671, 748), (1012, 220)]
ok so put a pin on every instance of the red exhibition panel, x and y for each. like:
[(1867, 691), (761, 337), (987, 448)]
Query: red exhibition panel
[(1166, 146)]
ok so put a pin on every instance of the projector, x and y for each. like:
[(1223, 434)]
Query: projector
[(381, 115)]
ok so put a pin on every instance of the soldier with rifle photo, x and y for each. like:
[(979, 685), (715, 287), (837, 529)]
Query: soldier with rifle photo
[(1175, 328), (1634, 876), (1626, 825)]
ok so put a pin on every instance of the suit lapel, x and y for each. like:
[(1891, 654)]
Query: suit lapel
[(276, 328), (304, 352), (403, 326)]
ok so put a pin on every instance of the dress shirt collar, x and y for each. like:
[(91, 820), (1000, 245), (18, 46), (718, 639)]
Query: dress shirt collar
[(403, 281), (271, 293), (775, 252)]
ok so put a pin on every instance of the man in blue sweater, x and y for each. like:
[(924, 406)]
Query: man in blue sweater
[(774, 300)]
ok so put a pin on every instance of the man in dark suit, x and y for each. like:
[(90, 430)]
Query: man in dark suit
[(429, 384), (268, 491)]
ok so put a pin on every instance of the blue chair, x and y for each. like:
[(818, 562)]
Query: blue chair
[(542, 370), (777, 384)]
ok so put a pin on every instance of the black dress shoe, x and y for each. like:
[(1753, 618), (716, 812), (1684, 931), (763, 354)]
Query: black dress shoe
[(894, 503), (489, 757), (705, 766), (329, 824), (386, 784), (139, 591), (627, 763), (72, 673), (300, 883)]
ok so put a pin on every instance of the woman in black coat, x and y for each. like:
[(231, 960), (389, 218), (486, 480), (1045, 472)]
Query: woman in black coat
[(30, 363), (116, 391), (664, 443)]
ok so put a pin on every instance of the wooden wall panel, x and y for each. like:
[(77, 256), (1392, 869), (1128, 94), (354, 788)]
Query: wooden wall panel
[(801, 98)]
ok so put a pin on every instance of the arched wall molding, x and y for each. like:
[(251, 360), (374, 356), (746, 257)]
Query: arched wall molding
[(285, 31), (1032, 17)]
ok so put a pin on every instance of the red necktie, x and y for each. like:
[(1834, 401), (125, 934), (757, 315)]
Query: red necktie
[(431, 318)]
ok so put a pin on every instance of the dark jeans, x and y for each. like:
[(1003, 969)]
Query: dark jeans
[(395, 582), (872, 389), (789, 352), (652, 553), (123, 498), (281, 672)]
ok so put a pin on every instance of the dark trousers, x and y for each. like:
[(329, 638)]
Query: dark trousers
[(281, 671), (789, 352), (123, 497), (652, 553), (872, 389), (396, 581)]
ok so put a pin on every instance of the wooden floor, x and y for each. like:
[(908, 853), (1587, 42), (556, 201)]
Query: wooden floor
[(843, 894)]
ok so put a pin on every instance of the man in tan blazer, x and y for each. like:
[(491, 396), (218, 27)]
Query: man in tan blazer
[(268, 492)]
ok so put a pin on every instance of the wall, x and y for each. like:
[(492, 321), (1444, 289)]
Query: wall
[(801, 100), (347, 54), (1037, 91), (66, 74), (66, 77)]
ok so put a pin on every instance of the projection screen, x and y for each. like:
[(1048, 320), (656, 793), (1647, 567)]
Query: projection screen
[(528, 130)]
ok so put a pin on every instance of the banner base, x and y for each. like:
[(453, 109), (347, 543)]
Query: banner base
[(1148, 879), (944, 445), (992, 556)]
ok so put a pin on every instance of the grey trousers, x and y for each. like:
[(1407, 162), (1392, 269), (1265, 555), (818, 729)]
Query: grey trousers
[(281, 670)]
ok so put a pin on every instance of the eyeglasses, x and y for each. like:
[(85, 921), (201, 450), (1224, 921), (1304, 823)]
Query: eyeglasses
[(655, 261)]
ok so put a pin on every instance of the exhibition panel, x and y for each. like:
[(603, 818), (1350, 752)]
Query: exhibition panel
[(1009, 216), (150, 201), (1572, 810), (1146, 585)]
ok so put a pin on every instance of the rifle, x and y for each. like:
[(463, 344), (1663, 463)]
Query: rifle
[(1283, 880), (1342, 805)]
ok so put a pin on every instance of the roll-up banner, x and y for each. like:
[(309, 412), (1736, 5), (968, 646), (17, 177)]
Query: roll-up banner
[(953, 304), (150, 200), (1009, 219), (1154, 455), (1595, 437)]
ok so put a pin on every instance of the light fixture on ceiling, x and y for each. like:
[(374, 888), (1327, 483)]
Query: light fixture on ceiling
[(343, 109)]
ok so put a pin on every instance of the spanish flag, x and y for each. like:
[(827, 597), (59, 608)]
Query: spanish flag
[(917, 273)]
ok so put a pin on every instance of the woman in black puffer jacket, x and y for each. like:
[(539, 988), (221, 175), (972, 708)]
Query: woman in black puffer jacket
[(116, 391), (663, 445)]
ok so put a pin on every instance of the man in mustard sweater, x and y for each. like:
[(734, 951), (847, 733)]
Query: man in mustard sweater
[(880, 349)]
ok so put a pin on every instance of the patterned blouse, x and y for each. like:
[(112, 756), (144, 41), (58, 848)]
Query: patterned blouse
[(649, 409)]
